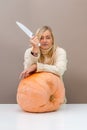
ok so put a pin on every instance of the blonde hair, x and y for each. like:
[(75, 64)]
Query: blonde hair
[(50, 51)]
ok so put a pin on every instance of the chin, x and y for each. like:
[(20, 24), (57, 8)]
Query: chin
[(45, 48)]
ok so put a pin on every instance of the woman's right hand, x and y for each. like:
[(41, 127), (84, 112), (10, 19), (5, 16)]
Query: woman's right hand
[(35, 41)]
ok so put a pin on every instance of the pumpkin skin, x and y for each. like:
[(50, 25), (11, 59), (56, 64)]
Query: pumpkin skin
[(41, 92)]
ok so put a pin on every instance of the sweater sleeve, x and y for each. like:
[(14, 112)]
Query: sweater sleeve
[(29, 59), (59, 66)]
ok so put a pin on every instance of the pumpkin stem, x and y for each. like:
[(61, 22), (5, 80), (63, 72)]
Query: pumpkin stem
[(52, 98)]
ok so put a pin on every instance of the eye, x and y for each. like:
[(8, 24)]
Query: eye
[(48, 37)]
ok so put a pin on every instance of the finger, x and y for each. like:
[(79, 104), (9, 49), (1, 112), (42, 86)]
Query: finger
[(26, 75), (22, 75)]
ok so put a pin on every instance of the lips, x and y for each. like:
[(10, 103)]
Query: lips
[(44, 44)]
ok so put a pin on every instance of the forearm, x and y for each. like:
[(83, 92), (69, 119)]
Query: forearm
[(29, 59), (51, 68)]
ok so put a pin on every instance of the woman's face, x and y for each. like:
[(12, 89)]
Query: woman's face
[(46, 40)]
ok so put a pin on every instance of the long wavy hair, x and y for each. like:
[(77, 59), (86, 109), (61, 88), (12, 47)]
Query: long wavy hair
[(49, 52)]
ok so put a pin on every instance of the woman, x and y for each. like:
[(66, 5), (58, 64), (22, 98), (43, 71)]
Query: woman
[(46, 57)]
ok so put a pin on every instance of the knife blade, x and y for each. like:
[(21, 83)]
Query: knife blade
[(26, 30)]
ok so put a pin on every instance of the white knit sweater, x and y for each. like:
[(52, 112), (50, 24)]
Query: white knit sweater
[(58, 68)]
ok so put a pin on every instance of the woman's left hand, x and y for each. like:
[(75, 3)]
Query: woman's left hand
[(29, 71)]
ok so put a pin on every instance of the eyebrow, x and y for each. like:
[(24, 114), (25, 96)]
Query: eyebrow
[(46, 36)]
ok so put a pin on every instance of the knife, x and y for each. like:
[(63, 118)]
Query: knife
[(26, 30)]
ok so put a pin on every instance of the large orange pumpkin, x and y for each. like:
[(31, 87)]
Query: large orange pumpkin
[(40, 92)]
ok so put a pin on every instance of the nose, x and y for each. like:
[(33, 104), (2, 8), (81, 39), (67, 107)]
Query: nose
[(44, 40)]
